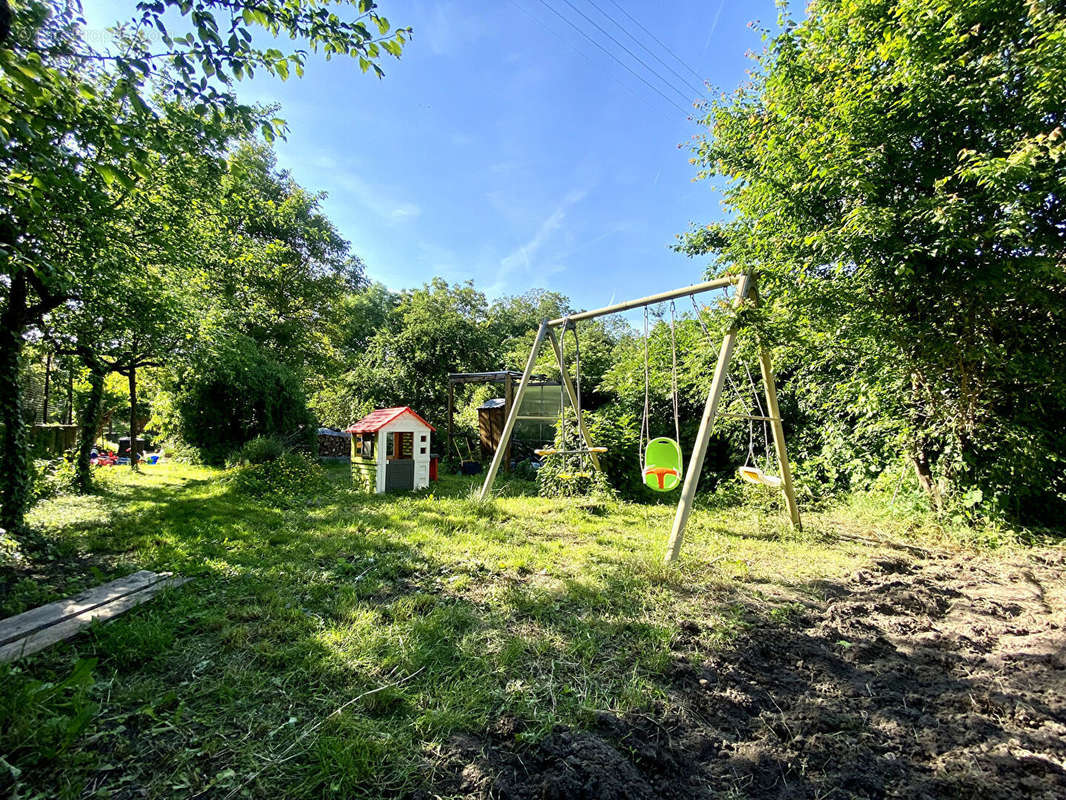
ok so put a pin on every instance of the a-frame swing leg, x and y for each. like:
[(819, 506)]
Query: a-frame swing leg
[(770, 391), (785, 471), (572, 394), (699, 448), (508, 428)]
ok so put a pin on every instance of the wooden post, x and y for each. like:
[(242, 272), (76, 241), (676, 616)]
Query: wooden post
[(779, 436), (70, 393), (508, 427), (571, 392), (699, 448), (508, 401), (47, 387), (451, 418), (133, 416)]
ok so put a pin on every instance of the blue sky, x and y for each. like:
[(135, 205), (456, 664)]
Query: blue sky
[(505, 148)]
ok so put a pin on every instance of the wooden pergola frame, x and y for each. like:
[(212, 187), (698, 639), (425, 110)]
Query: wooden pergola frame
[(507, 378), (745, 290)]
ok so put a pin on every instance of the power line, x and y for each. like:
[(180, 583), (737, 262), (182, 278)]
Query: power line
[(655, 39), (615, 58), (633, 55), (575, 49), (684, 81)]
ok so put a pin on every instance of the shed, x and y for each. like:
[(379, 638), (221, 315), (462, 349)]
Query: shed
[(537, 416), (490, 421), (390, 450)]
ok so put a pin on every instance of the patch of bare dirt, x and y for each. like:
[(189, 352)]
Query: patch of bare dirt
[(938, 678)]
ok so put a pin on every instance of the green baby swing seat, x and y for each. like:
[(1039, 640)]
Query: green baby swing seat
[(662, 465), (660, 469)]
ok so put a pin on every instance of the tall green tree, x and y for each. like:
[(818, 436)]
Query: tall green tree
[(76, 123), (896, 171), (66, 138), (272, 276), (276, 267), (436, 329), (355, 319), (134, 306)]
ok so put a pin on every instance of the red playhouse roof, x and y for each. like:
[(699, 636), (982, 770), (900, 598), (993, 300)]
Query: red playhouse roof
[(379, 418)]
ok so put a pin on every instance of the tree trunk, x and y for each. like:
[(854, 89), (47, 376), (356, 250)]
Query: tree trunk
[(926, 479), (70, 393), (90, 420), (47, 387), (921, 455), (133, 417), (14, 474)]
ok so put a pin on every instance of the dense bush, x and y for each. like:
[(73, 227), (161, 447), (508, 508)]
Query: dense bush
[(619, 432), (181, 451), (524, 471), (232, 392), (53, 477), (292, 479), (259, 450), (913, 261)]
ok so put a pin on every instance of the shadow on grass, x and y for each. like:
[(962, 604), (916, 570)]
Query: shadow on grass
[(624, 680)]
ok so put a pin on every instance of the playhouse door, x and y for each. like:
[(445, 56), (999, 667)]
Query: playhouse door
[(400, 475), (400, 469)]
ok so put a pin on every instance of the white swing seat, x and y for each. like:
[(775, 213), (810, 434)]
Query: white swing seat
[(758, 477)]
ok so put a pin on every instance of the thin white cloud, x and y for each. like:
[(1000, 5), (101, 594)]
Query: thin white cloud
[(406, 211), (526, 257), (714, 26), (379, 200), (342, 182)]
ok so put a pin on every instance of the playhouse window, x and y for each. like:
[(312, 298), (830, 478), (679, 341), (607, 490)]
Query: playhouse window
[(390, 446), (366, 445)]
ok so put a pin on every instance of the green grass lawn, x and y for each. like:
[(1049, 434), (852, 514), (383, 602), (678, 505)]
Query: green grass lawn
[(334, 649)]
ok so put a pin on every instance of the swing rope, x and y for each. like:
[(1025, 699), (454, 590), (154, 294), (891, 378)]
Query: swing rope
[(562, 388), (751, 458), (577, 366), (577, 391), (645, 421), (563, 449), (714, 348), (673, 373), (644, 432)]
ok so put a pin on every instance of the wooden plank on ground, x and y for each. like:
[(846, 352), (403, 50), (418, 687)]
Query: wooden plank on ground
[(68, 627), (20, 625)]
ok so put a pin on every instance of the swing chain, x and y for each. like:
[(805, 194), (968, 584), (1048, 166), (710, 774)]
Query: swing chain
[(564, 448), (749, 461), (673, 373), (577, 386), (645, 434), (645, 422), (562, 382)]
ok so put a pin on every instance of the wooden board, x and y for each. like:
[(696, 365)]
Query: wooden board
[(21, 625), (64, 625)]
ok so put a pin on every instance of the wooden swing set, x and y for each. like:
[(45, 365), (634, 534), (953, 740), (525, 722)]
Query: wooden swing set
[(661, 462)]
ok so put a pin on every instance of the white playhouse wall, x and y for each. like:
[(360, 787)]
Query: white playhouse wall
[(405, 423)]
